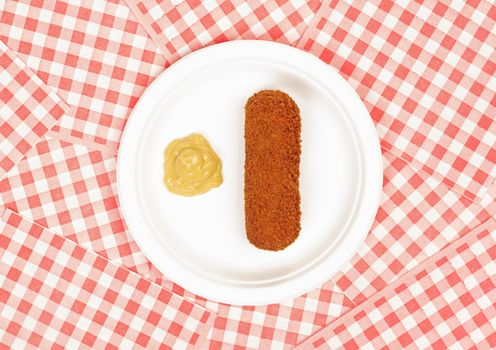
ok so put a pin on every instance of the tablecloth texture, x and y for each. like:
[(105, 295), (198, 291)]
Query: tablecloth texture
[(56, 293), (71, 71), (28, 108)]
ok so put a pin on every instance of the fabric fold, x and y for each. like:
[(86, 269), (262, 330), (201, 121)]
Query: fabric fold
[(28, 109), (426, 73), (54, 292), (447, 302)]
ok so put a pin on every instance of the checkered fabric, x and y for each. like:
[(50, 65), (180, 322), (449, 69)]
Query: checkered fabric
[(71, 190), (56, 294), (448, 302), (277, 326), (417, 217), (28, 108), (426, 72), (93, 53), (179, 27)]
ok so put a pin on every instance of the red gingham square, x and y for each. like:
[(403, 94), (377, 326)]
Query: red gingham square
[(56, 294), (28, 109), (437, 305), (96, 56), (179, 27), (426, 72)]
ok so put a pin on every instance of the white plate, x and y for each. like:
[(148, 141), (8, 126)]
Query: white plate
[(199, 242)]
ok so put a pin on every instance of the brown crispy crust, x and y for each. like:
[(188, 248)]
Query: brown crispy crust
[(272, 170)]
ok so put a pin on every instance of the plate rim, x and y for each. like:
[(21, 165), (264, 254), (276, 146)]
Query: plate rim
[(236, 295)]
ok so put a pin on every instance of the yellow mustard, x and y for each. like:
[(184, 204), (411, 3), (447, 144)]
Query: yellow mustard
[(191, 166)]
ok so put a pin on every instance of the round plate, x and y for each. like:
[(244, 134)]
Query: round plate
[(199, 242)]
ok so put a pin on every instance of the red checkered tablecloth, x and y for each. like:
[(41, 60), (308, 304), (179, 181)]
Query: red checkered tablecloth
[(179, 27), (55, 293), (426, 72), (70, 73), (27, 106), (447, 303), (94, 54)]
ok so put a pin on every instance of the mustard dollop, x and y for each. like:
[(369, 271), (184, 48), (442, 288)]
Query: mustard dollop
[(191, 166)]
